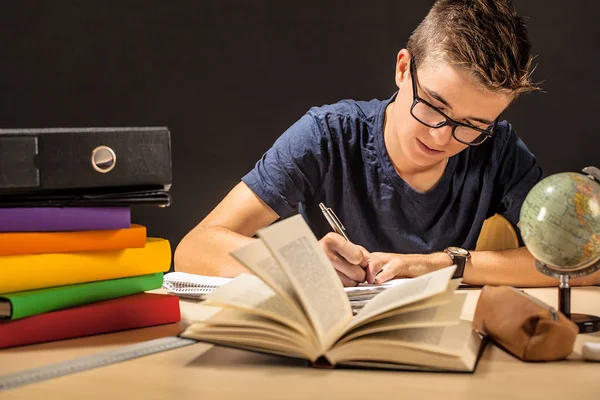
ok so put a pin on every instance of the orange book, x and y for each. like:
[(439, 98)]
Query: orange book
[(15, 243)]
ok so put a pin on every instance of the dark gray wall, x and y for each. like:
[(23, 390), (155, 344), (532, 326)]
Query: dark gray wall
[(228, 77)]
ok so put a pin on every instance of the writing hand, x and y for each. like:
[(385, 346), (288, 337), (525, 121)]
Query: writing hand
[(349, 260)]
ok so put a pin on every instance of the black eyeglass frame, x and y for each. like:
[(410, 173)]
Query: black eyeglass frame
[(485, 133)]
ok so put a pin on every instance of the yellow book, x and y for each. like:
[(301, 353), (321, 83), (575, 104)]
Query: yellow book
[(36, 271)]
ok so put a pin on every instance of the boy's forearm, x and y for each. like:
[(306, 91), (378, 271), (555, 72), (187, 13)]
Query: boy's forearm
[(205, 251), (512, 267)]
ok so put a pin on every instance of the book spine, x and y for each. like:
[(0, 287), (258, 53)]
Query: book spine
[(36, 271), (45, 219), (135, 311), (34, 302), (322, 363), (15, 243)]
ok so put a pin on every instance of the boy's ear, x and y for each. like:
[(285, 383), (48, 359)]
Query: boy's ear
[(402, 67)]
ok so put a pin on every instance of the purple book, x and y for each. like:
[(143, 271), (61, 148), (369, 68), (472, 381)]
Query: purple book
[(47, 219)]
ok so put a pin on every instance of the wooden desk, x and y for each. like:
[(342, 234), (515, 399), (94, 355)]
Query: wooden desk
[(203, 371)]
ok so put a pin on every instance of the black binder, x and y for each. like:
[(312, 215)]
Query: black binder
[(98, 199), (85, 166)]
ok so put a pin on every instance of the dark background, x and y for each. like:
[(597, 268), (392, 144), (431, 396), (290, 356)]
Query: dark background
[(228, 77)]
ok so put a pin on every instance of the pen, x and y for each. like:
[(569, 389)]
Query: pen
[(333, 220), (336, 224)]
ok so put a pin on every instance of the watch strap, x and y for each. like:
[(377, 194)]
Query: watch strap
[(460, 262)]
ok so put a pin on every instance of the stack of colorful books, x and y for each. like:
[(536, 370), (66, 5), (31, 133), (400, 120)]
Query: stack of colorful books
[(67, 272)]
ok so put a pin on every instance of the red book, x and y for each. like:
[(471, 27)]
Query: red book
[(129, 312)]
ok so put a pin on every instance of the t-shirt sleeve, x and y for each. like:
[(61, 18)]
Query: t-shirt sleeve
[(518, 173), (293, 168)]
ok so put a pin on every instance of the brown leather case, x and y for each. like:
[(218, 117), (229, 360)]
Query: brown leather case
[(523, 325)]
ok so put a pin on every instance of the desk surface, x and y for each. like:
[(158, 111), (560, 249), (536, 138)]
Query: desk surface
[(206, 371)]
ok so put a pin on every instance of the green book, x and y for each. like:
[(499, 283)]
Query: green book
[(33, 302)]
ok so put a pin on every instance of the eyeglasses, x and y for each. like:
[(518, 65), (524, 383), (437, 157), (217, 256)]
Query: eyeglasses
[(432, 117)]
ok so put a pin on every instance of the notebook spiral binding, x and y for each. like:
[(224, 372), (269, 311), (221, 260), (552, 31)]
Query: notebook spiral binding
[(191, 285), (191, 288)]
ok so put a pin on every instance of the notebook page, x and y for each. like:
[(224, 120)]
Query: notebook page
[(370, 290)]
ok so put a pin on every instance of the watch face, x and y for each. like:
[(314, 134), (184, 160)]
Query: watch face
[(457, 251)]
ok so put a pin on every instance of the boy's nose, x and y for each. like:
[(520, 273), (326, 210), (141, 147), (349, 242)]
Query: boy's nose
[(442, 136)]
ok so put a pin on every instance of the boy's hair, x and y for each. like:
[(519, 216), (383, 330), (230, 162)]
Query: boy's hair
[(485, 37)]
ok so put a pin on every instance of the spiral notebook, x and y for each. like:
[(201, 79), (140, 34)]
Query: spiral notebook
[(192, 286)]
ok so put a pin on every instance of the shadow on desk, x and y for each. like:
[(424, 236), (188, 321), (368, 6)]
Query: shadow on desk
[(219, 356)]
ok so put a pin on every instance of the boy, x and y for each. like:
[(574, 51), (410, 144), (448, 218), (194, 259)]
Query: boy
[(412, 177)]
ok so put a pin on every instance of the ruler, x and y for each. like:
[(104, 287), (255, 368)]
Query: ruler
[(92, 361)]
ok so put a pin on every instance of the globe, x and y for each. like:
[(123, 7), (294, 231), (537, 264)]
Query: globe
[(560, 223)]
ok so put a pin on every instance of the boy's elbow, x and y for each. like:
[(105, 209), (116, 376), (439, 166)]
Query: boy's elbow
[(183, 256)]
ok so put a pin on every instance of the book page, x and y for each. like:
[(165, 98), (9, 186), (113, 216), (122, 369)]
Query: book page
[(445, 315), (233, 317), (250, 293), (405, 292), (254, 343), (261, 340), (243, 333), (204, 319), (258, 259), (445, 339), (193, 311), (433, 301), (453, 347), (314, 279)]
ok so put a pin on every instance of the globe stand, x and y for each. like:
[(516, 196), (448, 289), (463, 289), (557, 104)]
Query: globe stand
[(585, 322)]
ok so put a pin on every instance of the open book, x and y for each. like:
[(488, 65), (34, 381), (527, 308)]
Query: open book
[(295, 306)]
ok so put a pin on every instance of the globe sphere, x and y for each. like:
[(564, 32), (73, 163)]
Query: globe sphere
[(560, 221)]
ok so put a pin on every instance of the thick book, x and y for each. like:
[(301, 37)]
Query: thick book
[(33, 302), (51, 160), (295, 306), (129, 312), (14, 243), (36, 271), (49, 219)]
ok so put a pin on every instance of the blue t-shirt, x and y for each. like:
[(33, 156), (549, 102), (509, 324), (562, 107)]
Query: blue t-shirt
[(336, 154)]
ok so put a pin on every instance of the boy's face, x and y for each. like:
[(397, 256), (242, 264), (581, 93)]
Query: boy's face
[(451, 91)]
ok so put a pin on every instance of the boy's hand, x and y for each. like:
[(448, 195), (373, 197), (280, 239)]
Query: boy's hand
[(405, 265), (350, 261)]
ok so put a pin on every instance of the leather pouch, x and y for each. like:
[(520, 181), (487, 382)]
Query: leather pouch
[(523, 325)]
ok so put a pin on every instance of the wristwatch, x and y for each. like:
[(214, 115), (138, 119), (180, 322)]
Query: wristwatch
[(459, 256)]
